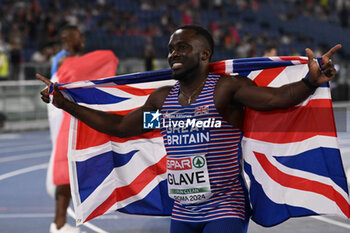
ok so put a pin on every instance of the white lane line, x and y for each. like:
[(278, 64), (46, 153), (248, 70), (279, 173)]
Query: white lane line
[(17, 148), (128, 216), (17, 144), (23, 170), (87, 224), (10, 136), (25, 156), (344, 141), (331, 221), (345, 150), (43, 166), (28, 215)]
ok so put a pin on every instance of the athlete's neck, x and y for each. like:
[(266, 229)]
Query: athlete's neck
[(193, 80)]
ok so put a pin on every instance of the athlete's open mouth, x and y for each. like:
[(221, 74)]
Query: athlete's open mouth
[(176, 65)]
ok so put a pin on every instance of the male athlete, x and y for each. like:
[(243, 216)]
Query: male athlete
[(69, 66), (210, 197), (72, 44)]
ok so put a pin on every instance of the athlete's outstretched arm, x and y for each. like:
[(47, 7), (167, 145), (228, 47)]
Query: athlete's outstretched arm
[(265, 98), (112, 124)]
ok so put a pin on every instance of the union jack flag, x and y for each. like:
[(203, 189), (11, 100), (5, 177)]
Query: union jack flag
[(293, 168)]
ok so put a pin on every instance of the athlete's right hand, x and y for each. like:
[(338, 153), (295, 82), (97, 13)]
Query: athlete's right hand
[(58, 98)]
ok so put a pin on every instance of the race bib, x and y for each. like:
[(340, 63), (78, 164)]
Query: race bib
[(188, 179)]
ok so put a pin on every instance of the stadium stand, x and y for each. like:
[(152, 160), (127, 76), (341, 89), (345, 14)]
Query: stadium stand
[(29, 31), (122, 25)]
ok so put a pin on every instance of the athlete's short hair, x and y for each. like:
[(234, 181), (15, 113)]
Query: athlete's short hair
[(203, 32)]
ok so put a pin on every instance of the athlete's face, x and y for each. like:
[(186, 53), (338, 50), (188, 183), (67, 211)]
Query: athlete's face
[(184, 53)]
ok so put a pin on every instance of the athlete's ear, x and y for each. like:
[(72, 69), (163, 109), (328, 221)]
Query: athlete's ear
[(205, 54)]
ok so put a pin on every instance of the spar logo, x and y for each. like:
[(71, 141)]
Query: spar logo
[(185, 163), (198, 161)]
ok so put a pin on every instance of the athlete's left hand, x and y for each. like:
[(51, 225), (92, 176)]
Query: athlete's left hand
[(317, 76)]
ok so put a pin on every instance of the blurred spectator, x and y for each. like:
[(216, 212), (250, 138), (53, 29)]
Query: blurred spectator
[(35, 7), (2, 120), (294, 52), (70, 18), (235, 34), (242, 50), (51, 32), (146, 5), (270, 50), (4, 66), (186, 15), (42, 55), (72, 43), (16, 43), (344, 15), (149, 55), (217, 4), (320, 50), (253, 48), (215, 31)]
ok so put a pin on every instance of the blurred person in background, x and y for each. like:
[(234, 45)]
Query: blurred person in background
[(42, 55), (4, 66), (2, 120), (270, 50), (72, 43), (149, 55), (16, 45), (70, 65)]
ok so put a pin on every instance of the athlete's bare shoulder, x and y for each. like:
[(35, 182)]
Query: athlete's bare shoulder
[(228, 85), (158, 96), (235, 81), (231, 109)]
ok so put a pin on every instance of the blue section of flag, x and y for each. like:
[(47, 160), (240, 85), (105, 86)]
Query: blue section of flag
[(321, 161), (122, 159), (153, 204), (149, 76), (93, 171), (276, 213), (244, 73), (94, 96), (252, 60), (251, 66)]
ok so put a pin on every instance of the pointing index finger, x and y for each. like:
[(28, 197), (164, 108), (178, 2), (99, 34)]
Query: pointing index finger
[(333, 50), (43, 79)]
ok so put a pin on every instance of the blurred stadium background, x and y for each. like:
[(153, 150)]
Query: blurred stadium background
[(138, 32)]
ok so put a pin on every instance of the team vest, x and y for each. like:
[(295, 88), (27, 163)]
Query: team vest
[(203, 158)]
